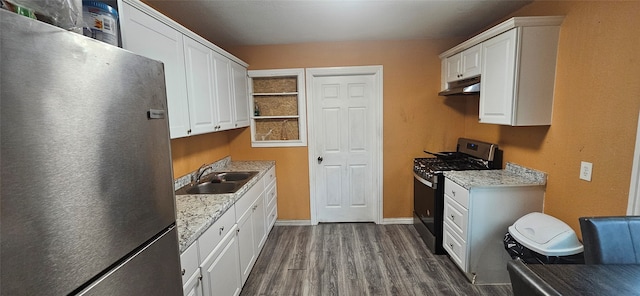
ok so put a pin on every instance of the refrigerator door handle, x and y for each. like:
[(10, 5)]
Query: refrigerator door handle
[(156, 114)]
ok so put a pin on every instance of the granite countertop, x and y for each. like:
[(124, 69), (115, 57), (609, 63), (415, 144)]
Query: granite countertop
[(195, 213), (512, 175)]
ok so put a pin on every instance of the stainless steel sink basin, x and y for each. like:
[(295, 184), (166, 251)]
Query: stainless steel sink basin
[(218, 183), (212, 188), (236, 176)]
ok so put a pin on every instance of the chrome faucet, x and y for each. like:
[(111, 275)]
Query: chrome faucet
[(199, 173)]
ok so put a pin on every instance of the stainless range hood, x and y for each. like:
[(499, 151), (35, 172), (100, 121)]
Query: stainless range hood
[(469, 86)]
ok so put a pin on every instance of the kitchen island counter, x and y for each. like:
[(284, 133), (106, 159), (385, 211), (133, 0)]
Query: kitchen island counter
[(195, 213), (512, 175)]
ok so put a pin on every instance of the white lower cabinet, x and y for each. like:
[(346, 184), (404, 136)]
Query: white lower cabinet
[(246, 238), (251, 227), (220, 261), (475, 222), (220, 270), (191, 277), (193, 286)]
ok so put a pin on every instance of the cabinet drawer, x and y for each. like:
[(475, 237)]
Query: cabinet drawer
[(456, 216), (189, 262), (210, 238), (271, 195), (456, 192), (269, 177), (456, 248), (245, 202)]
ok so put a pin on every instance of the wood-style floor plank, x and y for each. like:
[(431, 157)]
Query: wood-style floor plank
[(356, 259)]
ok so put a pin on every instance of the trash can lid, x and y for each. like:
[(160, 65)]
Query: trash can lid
[(546, 235)]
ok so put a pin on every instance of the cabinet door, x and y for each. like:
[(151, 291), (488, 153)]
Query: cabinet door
[(259, 224), (498, 78), (147, 36), (471, 61), (201, 86), (193, 287), (453, 67), (220, 271), (240, 95), (246, 244), (224, 104)]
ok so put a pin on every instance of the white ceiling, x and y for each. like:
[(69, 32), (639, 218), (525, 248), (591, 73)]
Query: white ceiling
[(241, 22)]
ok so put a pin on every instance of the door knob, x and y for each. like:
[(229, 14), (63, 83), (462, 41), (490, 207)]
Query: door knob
[(320, 159)]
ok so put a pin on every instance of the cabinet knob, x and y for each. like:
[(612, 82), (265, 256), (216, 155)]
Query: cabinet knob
[(452, 218), (189, 131), (453, 192), (320, 159), (451, 245), (183, 271), (221, 230)]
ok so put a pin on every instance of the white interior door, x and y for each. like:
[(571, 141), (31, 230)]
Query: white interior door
[(345, 147), (633, 208)]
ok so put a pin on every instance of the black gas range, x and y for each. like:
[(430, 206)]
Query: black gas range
[(428, 189)]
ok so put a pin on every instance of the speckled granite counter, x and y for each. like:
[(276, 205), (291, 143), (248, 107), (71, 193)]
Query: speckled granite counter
[(195, 213), (512, 175)]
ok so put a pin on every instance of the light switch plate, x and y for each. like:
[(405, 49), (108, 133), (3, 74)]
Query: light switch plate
[(585, 170)]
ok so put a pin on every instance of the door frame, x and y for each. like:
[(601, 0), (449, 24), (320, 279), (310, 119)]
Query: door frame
[(633, 207), (376, 158)]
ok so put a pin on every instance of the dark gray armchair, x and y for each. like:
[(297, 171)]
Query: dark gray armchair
[(525, 282), (611, 240)]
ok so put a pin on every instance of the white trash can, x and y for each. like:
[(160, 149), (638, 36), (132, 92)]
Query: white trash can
[(540, 238)]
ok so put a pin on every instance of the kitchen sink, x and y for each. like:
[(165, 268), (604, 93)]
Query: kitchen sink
[(218, 183), (212, 188), (235, 176)]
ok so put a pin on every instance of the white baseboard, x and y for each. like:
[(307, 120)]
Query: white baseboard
[(293, 222), (308, 222), (397, 221)]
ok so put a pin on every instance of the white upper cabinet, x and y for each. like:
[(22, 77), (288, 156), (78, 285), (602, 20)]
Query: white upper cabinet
[(464, 65), (516, 61), (149, 37), (518, 77), (453, 65), (224, 111), (240, 81), (500, 59), (201, 86)]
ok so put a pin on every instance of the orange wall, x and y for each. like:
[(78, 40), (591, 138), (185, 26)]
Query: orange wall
[(595, 113), (190, 153), (411, 83)]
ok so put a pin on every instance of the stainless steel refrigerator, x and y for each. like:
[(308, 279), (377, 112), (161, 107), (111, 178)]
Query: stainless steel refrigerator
[(87, 203)]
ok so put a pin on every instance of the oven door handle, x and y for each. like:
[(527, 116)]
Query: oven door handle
[(425, 182)]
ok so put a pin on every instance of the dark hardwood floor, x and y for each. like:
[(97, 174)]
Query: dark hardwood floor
[(356, 259)]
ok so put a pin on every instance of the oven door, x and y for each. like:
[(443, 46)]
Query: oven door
[(428, 204), (424, 201)]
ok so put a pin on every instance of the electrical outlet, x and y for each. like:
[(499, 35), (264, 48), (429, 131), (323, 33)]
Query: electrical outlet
[(585, 170)]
